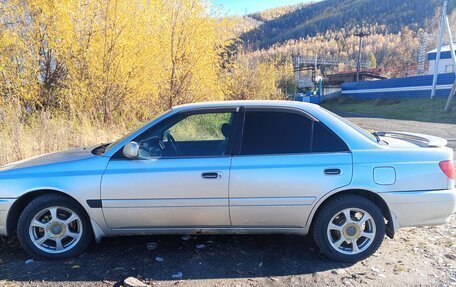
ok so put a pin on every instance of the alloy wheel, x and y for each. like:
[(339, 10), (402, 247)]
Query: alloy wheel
[(351, 231), (55, 229)]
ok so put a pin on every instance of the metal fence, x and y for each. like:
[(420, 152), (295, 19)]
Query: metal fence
[(410, 87)]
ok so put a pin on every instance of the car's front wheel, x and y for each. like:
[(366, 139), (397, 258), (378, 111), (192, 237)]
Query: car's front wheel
[(349, 228), (53, 226)]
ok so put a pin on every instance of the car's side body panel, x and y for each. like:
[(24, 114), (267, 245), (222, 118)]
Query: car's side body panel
[(280, 190), (415, 169), (138, 194)]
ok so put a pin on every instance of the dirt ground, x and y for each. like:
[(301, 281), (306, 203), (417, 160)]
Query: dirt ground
[(416, 257)]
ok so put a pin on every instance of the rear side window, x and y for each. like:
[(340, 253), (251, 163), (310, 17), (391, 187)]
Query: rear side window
[(269, 132), (325, 140), (280, 132)]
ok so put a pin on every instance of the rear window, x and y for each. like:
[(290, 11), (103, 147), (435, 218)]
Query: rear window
[(355, 127)]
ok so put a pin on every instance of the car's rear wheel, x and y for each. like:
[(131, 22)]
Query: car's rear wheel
[(349, 228), (53, 226)]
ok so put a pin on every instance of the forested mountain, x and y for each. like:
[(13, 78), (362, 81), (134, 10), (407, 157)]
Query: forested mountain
[(327, 29), (293, 22), (274, 13)]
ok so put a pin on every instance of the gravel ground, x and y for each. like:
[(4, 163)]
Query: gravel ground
[(417, 256)]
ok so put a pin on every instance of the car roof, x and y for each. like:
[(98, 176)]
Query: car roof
[(248, 103)]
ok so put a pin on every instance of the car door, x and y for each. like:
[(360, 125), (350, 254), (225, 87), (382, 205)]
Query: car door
[(179, 180), (285, 162)]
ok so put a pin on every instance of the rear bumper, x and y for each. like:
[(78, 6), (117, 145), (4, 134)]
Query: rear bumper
[(5, 205), (417, 208)]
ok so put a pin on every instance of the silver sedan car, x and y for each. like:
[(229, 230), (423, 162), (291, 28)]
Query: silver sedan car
[(233, 167)]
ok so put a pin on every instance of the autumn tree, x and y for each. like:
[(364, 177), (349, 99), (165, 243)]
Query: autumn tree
[(253, 78), (110, 60), (403, 59), (192, 48), (372, 61)]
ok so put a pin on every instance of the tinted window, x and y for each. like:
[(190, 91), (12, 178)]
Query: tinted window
[(204, 134), (324, 140), (269, 132)]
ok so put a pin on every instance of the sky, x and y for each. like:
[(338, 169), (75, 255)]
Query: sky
[(242, 7)]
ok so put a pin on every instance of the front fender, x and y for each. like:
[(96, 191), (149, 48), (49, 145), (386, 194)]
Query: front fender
[(79, 180)]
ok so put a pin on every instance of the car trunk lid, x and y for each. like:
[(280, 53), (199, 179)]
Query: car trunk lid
[(406, 139)]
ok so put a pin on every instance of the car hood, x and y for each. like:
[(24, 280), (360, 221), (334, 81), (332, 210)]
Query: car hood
[(51, 158)]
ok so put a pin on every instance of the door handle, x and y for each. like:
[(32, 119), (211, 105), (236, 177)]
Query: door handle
[(333, 171), (211, 175)]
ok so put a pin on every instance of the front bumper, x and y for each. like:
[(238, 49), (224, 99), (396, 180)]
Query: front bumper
[(5, 205), (417, 208)]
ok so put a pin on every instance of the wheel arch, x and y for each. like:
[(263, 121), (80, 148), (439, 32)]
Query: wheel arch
[(370, 195), (19, 205)]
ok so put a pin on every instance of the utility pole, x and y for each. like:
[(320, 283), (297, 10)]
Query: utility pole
[(439, 49), (358, 64), (444, 25), (453, 57), (296, 68)]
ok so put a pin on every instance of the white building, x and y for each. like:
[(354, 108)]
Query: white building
[(445, 64)]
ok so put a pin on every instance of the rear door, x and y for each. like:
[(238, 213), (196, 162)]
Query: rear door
[(285, 161)]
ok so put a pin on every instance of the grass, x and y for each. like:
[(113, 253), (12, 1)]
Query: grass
[(43, 133), (424, 110)]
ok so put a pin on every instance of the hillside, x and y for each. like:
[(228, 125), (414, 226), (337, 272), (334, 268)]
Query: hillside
[(274, 13), (293, 22)]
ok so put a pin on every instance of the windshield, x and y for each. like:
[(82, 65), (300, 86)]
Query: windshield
[(368, 135), (113, 144)]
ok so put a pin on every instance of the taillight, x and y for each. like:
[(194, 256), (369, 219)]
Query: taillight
[(448, 168)]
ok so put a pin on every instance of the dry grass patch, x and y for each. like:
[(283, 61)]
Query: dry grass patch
[(27, 136)]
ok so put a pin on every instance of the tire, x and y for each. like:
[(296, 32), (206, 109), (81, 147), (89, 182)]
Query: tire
[(349, 240), (71, 228)]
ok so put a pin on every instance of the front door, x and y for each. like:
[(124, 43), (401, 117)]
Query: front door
[(286, 162), (181, 178)]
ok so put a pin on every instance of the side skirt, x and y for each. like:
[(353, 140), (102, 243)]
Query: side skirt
[(205, 230)]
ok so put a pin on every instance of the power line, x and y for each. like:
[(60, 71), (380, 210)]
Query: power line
[(424, 29)]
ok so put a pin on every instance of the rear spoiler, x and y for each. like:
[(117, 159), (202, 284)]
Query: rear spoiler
[(430, 141)]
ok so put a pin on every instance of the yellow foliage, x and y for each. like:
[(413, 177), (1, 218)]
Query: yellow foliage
[(110, 59), (253, 78), (82, 72)]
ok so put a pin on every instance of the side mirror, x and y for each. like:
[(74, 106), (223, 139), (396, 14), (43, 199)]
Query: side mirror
[(131, 150)]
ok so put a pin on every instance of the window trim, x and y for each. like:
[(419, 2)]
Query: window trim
[(240, 133), (118, 155)]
